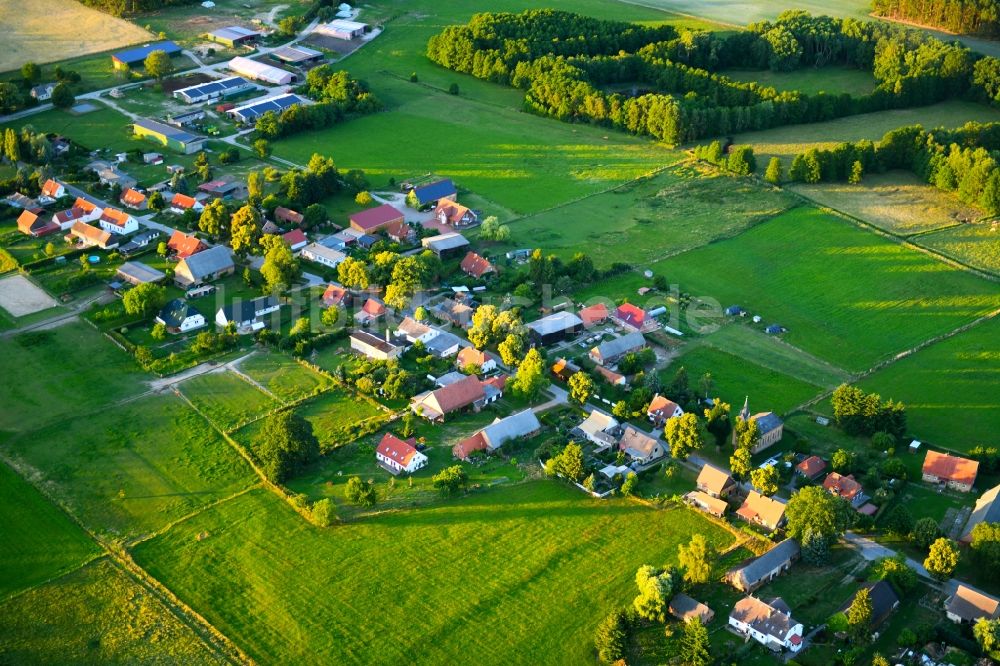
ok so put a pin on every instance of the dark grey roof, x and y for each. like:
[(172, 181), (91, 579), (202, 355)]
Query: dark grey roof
[(244, 310), (140, 272), (883, 598), (767, 422), (383, 345), (442, 342), (757, 568), (175, 312), (621, 345), (555, 323), (516, 425), (987, 511), (449, 241), (209, 261)]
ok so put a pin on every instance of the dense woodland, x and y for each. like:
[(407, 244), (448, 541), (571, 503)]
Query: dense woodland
[(968, 17), (680, 95)]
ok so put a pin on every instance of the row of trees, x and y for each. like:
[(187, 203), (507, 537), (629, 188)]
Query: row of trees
[(860, 413), (339, 97), (969, 17), (132, 7)]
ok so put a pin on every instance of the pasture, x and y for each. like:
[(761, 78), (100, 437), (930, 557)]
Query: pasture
[(679, 209), (540, 558), (103, 128), (40, 541), (51, 30), (96, 615), (132, 469), (897, 202), (949, 388), (845, 295), (977, 245), (226, 399), (734, 12), (62, 372), (810, 81), (283, 377), (786, 142)]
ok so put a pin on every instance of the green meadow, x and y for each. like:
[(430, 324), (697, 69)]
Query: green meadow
[(845, 295), (40, 541), (811, 81), (539, 559), (283, 377), (977, 245), (227, 399)]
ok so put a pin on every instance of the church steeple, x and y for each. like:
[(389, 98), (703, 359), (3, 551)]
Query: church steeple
[(745, 412)]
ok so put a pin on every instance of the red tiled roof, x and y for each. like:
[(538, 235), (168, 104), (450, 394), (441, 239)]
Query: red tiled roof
[(375, 218), (399, 230), (183, 245), (69, 215), (93, 234), (27, 221), (373, 308), (594, 314), (766, 510), (334, 294), (133, 198), (631, 314), (396, 449), (811, 466), (288, 215), (50, 188), (294, 237), (611, 376), (471, 355), (84, 205), (662, 406), (475, 443), (845, 486), (183, 201), (498, 382), (454, 212), (476, 266), (951, 468), (115, 216)]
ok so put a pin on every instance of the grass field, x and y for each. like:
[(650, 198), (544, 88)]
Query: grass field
[(977, 245), (134, 468), (736, 377), (543, 559), (96, 615), (226, 399), (735, 12), (40, 542), (103, 128), (897, 202), (283, 377), (950, 388), (55, 378), (830, 80), (52, 31), (846, 295), (680, 209), (786, 142)]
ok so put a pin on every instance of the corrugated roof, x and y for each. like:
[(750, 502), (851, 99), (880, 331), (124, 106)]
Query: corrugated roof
[(433, 191), (139, 54), (209, 261), (620, 345), (514, 426)]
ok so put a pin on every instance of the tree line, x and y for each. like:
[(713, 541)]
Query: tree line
[(681, 96), (967, 17), (338, 97), (131, 7)]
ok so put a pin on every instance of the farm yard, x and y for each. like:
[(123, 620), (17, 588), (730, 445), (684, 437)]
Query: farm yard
[(51, 31)]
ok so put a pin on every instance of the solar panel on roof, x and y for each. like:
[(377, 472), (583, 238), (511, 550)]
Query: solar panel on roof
[(213, 86), (255, 109)]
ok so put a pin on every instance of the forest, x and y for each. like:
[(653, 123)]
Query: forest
[(683, 96), (964, 17)]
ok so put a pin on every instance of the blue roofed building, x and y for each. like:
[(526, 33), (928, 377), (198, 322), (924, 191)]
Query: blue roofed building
[(231, 85), (427, 195), (248, 113), (135, 57)]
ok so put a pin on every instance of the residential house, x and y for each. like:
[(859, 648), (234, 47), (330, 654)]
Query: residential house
[(438, 404), (968, 605), (661, 409), (770, 623), (630, 317), (444, 345), (182, 246), (493, 388), (987, 511), (705, 502), (118, 222), (139, 242), (295, 239), (600, 428), (714, 481), (484, 361), (224, 189), (846, 487), (770, 427), (110, 175), (398, 456), (136, 272), (767, 512), (811, 467), (432, 193), (205, 266), (610, 376), (371, 311), (563, 369), (181, 203), (554, 328), (492, 437), (52, 190), (367, 241), (179, 316), (640, 447), (454, 214), (247, 314), (414, 330), (445, 246), (955, 472), (31, 224), (323, 255), (454, 312), (400, 232), (687, 609), (43, 91), (18, 200), (883, 598), (594, 315), (375, 347), (371, 220), (288, 216), (609, 352), (758, 571), (89, 236), (337, 295), (134, 199), (82, 211), (476, 266)]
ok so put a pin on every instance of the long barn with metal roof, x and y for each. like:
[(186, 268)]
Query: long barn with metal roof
[(136, 56), (213, 89), (250, 112)]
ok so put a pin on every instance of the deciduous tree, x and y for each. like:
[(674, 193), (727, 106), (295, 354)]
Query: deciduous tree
[(695, 560), (245, 229), (942, 559), (765, 480), (285, 445), (145, 299), (683, 435), (158, 64), (581, 387)]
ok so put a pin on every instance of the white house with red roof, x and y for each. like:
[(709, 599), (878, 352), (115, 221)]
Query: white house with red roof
[(398, 456), (476, 265), (118, 222), (630, 316), (296, 239), (51, 191), (82, 211), (181, 203)]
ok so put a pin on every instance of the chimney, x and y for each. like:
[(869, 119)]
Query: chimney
[(387, 334)]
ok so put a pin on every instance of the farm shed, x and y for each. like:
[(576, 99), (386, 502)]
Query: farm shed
[(341, 29), (171, 137), (134, 57), (234, 35), (248, 113), (258, 71), (231, 85)]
